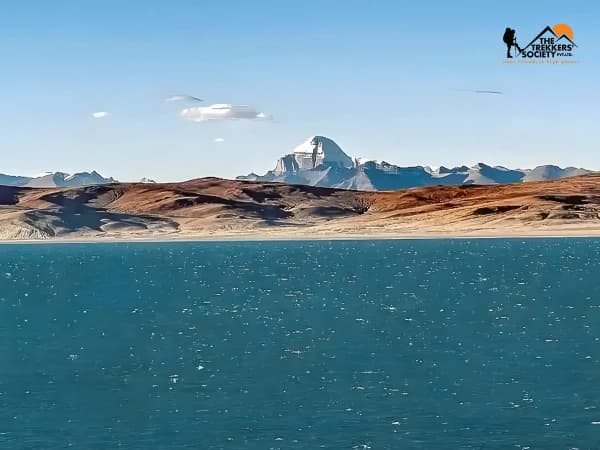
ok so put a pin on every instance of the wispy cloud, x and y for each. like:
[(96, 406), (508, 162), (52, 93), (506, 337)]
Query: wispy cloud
[(219, 140), (480, 91), (183, 98), (221, 111), (100, 114)]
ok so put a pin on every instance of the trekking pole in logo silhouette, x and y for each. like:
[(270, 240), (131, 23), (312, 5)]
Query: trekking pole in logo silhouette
[(510, 40)]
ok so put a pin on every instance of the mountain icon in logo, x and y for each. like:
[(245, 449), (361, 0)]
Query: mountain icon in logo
[(558, 31)]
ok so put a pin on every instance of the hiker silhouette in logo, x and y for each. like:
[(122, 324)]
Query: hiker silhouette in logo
[(510, 41)]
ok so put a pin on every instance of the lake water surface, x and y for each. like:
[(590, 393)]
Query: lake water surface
[(408, 344)]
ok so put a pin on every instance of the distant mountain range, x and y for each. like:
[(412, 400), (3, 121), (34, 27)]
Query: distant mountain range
[(319, 161), (56, 179)]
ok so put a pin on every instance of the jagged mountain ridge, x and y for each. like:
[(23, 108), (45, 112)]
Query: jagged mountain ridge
[(319, 161), (56, 179)]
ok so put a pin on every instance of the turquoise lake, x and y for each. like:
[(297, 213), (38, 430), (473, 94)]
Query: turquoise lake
[(399, 344)]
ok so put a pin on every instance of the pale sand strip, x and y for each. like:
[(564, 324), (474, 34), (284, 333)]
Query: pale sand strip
[(291, 235)]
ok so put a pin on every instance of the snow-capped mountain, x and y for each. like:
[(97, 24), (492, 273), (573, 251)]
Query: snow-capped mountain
[(319, 161), (56, 179), (314, 152)]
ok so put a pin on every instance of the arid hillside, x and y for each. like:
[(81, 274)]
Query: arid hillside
[(211, 207)]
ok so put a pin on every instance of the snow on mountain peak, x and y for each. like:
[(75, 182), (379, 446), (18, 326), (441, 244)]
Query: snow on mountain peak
[(319, 161), (315, 151)]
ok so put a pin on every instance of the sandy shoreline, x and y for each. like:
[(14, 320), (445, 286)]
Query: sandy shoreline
[(255, 237)]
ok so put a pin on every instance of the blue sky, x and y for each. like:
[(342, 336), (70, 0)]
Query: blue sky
[(383, 79)]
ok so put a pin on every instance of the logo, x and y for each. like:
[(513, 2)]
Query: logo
[(553, 45)]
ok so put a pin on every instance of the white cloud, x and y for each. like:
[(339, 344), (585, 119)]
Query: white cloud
[(220, 111), (219, 140), (100, 115), (184, 97)]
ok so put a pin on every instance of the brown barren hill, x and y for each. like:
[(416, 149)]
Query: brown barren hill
[(217, 208)]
